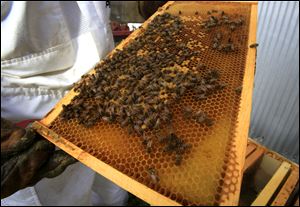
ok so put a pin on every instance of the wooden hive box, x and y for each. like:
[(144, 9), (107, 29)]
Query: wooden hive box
[(212, 172), (269, 178)]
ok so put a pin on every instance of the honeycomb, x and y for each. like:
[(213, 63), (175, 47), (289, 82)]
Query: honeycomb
[(208, 174)]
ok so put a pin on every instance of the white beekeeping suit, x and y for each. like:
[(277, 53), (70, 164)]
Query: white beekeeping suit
[(45, 47)]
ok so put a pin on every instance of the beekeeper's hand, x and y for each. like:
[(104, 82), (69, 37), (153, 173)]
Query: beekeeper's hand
[(26, 158)]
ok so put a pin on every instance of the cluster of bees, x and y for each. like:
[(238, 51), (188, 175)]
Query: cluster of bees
[(199, 116), (136, 86), (172, 145), (219, 42), (209, 84), (175, 145), (223, 19)]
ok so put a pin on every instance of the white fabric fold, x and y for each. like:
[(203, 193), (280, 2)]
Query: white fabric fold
[(45, 48)]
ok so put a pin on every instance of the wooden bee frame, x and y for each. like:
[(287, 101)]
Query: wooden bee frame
[(140, 190)]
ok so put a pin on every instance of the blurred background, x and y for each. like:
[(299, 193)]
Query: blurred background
[(275, 109)]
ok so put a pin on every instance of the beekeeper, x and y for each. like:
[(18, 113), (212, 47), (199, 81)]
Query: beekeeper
[(45, 48)]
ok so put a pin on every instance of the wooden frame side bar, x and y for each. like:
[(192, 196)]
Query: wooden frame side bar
[(244, 110)]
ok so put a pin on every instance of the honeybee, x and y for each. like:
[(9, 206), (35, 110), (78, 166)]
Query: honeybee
[(215, 45), (209, 121), (106, 119), (178, 159), (153, 175), (238, 89), (148, 143), (232, 26), (187, 112), (254, 45), (201, 96), (157, 123)]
